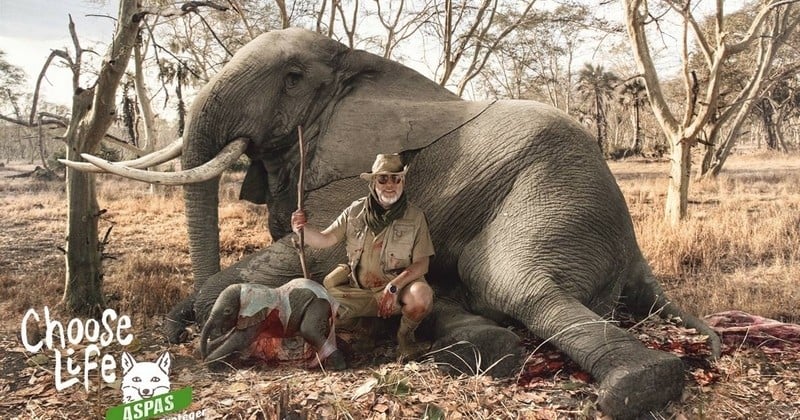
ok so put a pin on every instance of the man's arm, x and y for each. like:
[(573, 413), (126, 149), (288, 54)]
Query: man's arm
[(416, 270), (311, 235), (389, 297)]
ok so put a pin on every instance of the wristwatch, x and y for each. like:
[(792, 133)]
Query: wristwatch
[(392, 289)]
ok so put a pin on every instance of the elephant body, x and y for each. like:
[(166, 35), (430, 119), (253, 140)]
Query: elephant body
[(250, 316), (528, 222)]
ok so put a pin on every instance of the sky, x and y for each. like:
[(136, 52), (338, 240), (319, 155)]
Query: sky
[(29, 30)]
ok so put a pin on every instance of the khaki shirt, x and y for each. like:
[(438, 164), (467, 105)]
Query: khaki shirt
[(377, 259)]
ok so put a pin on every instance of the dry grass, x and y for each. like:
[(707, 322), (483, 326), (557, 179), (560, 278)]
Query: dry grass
[(738, 250)]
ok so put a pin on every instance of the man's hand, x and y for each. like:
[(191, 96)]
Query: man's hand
[(388, 301), (298, 220)]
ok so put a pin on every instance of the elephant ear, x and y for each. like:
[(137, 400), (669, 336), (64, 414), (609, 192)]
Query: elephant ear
[(256, 301), (253, 186), (388, 108)]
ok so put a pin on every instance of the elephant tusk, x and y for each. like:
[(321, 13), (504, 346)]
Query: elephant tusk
[(227, 156), (172, 151)]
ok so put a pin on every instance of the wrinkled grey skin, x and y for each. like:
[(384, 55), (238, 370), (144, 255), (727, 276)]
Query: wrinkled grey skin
[(225, 332), (528, 222)]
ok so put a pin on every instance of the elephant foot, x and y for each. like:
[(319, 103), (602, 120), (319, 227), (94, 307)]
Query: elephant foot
[(177, 320), (479, 349), (627, 391), (413, 351), (335, 361)]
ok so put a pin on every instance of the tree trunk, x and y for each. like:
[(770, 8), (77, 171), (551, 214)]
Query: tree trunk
[(637, 129), (779, 135), (678, 188), (83, 293), (92, 115), (181, 105), (708, 156), (598, 120), (767, 112)]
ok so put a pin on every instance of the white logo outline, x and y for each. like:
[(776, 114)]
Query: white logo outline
[(142, 380)]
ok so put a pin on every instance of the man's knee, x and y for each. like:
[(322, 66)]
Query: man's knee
[(418, 300)]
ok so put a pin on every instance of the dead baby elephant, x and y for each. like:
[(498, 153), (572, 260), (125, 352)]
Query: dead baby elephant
[(246, 316)]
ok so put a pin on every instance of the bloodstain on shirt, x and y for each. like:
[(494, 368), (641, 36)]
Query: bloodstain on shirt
[(373, 280)]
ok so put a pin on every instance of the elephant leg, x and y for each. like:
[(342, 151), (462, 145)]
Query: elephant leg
[(472, 344), (178, 319), (631, 377), (315, 329)]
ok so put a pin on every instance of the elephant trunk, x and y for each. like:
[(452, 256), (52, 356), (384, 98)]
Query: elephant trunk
[(202, 201), (214, 345), (212, 124)]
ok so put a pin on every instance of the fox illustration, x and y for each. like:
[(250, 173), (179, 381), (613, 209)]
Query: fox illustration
[(142, 380)]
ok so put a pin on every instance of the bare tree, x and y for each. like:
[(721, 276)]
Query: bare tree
[(780, 24), (92, 114), (683, 132), (471, 34), (400, 22)]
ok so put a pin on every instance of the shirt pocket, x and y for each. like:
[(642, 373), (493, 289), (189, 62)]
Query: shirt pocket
[(399, 247), (354, 237)]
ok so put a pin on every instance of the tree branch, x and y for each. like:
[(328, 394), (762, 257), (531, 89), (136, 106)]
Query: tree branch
[(35, 100), (186, 8), (753, 31), (635, 25), (475, 68), (52, 121)]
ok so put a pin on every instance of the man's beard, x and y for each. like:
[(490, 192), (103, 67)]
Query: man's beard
[(386, 200)]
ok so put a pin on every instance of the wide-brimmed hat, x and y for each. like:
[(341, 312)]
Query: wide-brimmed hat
[(388, 164)]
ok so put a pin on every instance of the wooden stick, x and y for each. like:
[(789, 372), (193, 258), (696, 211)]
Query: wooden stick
[(300, 188)]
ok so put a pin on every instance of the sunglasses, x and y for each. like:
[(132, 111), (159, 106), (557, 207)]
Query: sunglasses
[(383, 179)]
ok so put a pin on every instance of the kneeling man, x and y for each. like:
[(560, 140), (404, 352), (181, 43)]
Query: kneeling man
[(388, 250)]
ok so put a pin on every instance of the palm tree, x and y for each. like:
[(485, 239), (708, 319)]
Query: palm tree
[(596, 84), (633, 93)]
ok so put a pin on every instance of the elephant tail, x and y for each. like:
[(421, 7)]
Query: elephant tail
[(646, 297)]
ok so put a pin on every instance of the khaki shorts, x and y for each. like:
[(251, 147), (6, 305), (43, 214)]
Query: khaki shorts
[(355, 302)]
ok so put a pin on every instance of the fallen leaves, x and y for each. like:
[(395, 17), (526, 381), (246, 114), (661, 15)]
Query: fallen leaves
[(549, 386)]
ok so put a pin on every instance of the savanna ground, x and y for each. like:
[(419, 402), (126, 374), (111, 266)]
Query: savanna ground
[(739, 250)]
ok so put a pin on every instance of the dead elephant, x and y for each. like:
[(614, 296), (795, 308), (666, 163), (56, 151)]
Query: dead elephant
[(528, 223), (245, 316)]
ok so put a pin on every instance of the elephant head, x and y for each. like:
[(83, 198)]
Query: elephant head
[(223, 333), (277, 82)]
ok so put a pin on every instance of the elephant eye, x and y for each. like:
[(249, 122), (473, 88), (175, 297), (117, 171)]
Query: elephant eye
[(293, 78)]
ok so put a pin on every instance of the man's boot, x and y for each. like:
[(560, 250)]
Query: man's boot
[(408, 346)]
